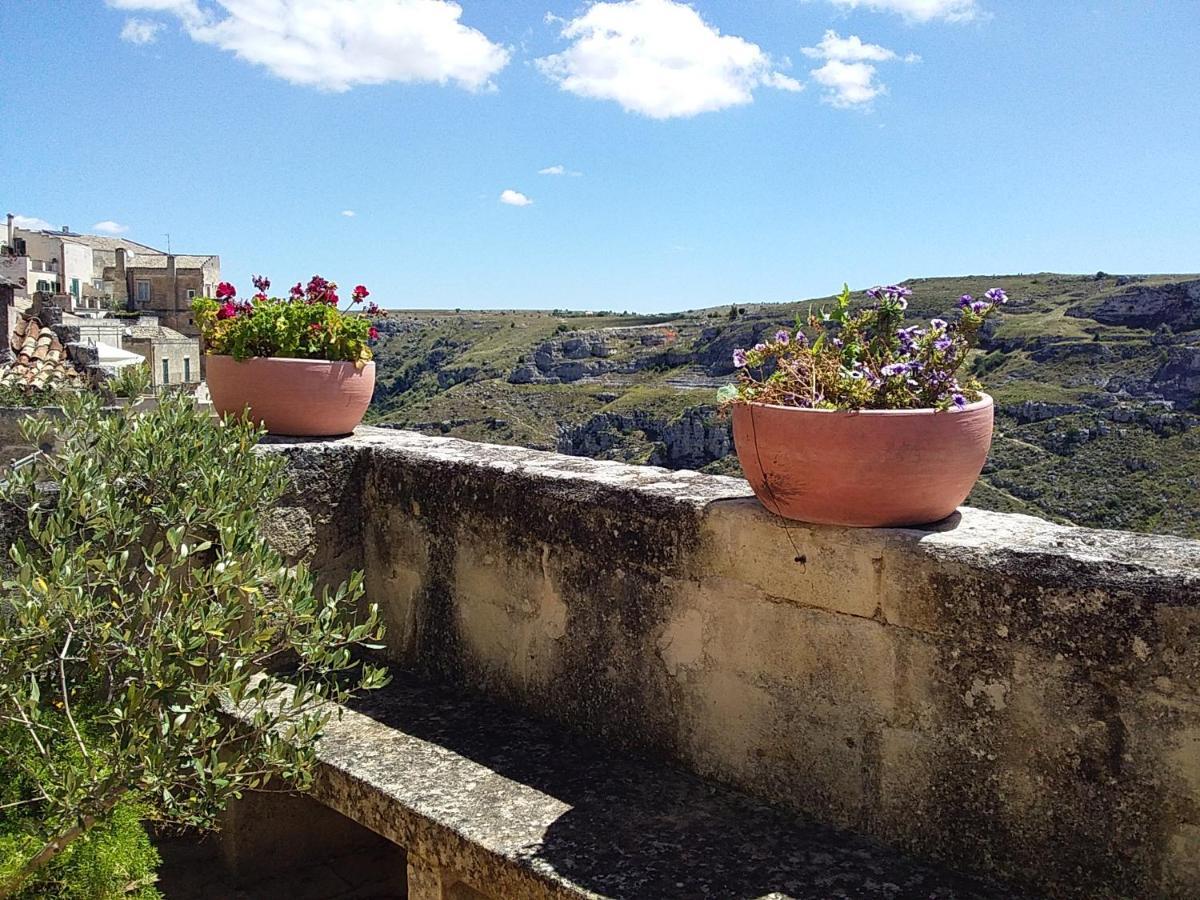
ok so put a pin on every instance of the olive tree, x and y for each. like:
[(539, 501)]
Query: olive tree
[(140, 602)]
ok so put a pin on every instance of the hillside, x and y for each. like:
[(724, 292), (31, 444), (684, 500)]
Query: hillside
[(1096, 379)]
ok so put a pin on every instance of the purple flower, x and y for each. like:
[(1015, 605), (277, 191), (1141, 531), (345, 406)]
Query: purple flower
[(893, 369), (960, 401), (801, 338), (893, 293), (759, 348), (965, 300), (979, 307), (909, 336), (782, 337), (996, 295), (262, 283), (739, 358), (939, 324), (943, 343)]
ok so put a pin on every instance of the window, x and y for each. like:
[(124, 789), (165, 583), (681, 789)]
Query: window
[(75, 288), (191, 295), (43, 285), (187, 366), (143, 293), (166, 371)]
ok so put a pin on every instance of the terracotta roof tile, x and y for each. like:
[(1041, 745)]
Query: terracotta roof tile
[(41, 359)]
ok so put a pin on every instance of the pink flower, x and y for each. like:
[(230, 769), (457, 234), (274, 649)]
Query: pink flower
[(259, 297), (226, 291), (227, 310), (297, 291), (360, 293), (374, 309), (262, 283), (373, 332)]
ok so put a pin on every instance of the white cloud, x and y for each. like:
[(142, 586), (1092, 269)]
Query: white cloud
[(514, 198), (659, 58), (848, 49), (108, 226), (921, 10), (140, 31), (32, 223), (349, 213), (559, 170), (848, 74), (334, 45)]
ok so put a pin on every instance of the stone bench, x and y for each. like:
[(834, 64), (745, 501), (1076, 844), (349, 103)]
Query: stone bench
[(488, 803)]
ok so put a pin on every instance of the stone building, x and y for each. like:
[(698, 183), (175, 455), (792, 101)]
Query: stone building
[(64, 262), (174, 358), (97, 272), (164, 284)]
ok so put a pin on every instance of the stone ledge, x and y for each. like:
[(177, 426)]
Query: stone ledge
[(971, 532)]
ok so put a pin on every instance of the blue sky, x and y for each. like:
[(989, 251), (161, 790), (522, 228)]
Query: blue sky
[(730, 150)]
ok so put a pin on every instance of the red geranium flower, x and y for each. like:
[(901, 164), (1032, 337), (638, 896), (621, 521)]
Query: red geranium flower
[(361, 293), (227, 311), (226, 291), (297, 291), (373, 332)]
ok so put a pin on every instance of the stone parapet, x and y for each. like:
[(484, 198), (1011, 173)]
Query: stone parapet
[(1004, 694)]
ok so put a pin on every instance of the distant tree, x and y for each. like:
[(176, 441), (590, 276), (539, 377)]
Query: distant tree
[(733, 311)]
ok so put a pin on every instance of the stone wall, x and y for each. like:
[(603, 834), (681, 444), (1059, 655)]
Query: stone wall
[(1001, 693)]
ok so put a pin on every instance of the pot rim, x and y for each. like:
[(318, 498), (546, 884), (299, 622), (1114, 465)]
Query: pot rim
[(983, 402), (286, 359)]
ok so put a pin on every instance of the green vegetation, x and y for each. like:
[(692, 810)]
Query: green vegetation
[(141, 600), (131, 382)]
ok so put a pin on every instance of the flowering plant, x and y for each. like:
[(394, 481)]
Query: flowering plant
[(866, 359), (307, 324)]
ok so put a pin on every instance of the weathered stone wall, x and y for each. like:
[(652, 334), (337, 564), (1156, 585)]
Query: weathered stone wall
[(1001, 693)]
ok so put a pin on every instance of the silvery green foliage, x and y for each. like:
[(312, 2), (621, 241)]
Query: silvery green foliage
[(141, 599)]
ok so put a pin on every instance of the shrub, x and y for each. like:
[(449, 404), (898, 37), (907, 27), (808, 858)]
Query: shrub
[(115, 859), (141, 602), (131, 382), (307, 324), (864, 359)]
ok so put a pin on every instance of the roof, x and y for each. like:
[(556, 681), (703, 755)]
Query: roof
[(159, 261), (41, 360), (95, 241), (147, 328), (99, 242)]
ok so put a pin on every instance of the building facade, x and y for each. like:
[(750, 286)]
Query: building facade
[(164, 285)]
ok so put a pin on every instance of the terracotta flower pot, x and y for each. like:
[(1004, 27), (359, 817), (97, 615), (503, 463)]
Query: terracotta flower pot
[(876, 468), (299, 397)]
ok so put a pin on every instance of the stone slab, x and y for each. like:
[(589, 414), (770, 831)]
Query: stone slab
[(519, 807)]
